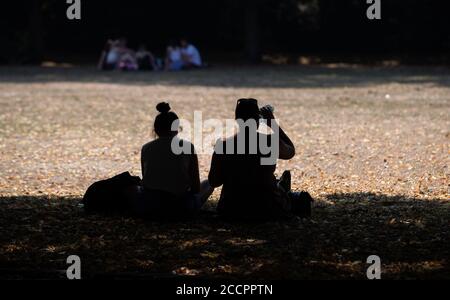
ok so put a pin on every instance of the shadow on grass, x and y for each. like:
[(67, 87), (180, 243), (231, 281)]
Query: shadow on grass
[(411, 237), (237, 77)]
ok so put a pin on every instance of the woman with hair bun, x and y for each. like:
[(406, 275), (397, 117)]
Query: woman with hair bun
[(171, 182)]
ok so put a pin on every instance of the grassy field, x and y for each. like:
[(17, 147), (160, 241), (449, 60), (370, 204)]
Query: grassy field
[(373, 149)]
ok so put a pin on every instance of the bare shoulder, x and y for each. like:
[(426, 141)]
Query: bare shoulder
[(147, 146)]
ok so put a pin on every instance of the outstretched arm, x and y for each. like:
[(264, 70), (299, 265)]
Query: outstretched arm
[(195, 174), (215, 173)]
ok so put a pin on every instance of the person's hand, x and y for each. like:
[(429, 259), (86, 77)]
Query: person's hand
[(266, 113)]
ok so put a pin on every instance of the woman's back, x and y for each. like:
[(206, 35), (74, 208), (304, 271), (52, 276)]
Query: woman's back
[(163, 170)]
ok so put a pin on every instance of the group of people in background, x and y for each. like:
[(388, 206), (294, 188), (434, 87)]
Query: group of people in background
[(180, 55)]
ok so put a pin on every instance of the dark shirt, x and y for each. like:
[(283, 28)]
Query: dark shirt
[(249, 188)]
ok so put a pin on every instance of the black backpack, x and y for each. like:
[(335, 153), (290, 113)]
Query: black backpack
[(301, 204), (110, 195)]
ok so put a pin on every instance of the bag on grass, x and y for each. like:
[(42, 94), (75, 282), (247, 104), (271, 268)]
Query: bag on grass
[(301, 204), (110, 195)]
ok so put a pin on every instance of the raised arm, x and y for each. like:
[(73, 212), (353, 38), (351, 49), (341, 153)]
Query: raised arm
[(286, 146)]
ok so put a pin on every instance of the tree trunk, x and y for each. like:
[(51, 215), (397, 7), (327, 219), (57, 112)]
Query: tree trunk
[(36, 51), (327, 7), (252, 38)]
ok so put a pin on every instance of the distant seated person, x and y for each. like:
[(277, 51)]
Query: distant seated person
[(128, 62), (109, 56), (115, 55), (145, 59), (174, 60), (190, 55)]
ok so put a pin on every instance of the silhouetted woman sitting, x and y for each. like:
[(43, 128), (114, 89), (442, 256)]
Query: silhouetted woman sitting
[(171, 182), (240, 164)]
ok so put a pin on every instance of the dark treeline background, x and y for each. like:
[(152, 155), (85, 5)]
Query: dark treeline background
[(33, 30)]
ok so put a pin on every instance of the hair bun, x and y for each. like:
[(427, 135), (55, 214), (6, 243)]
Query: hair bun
[(163, 107)]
